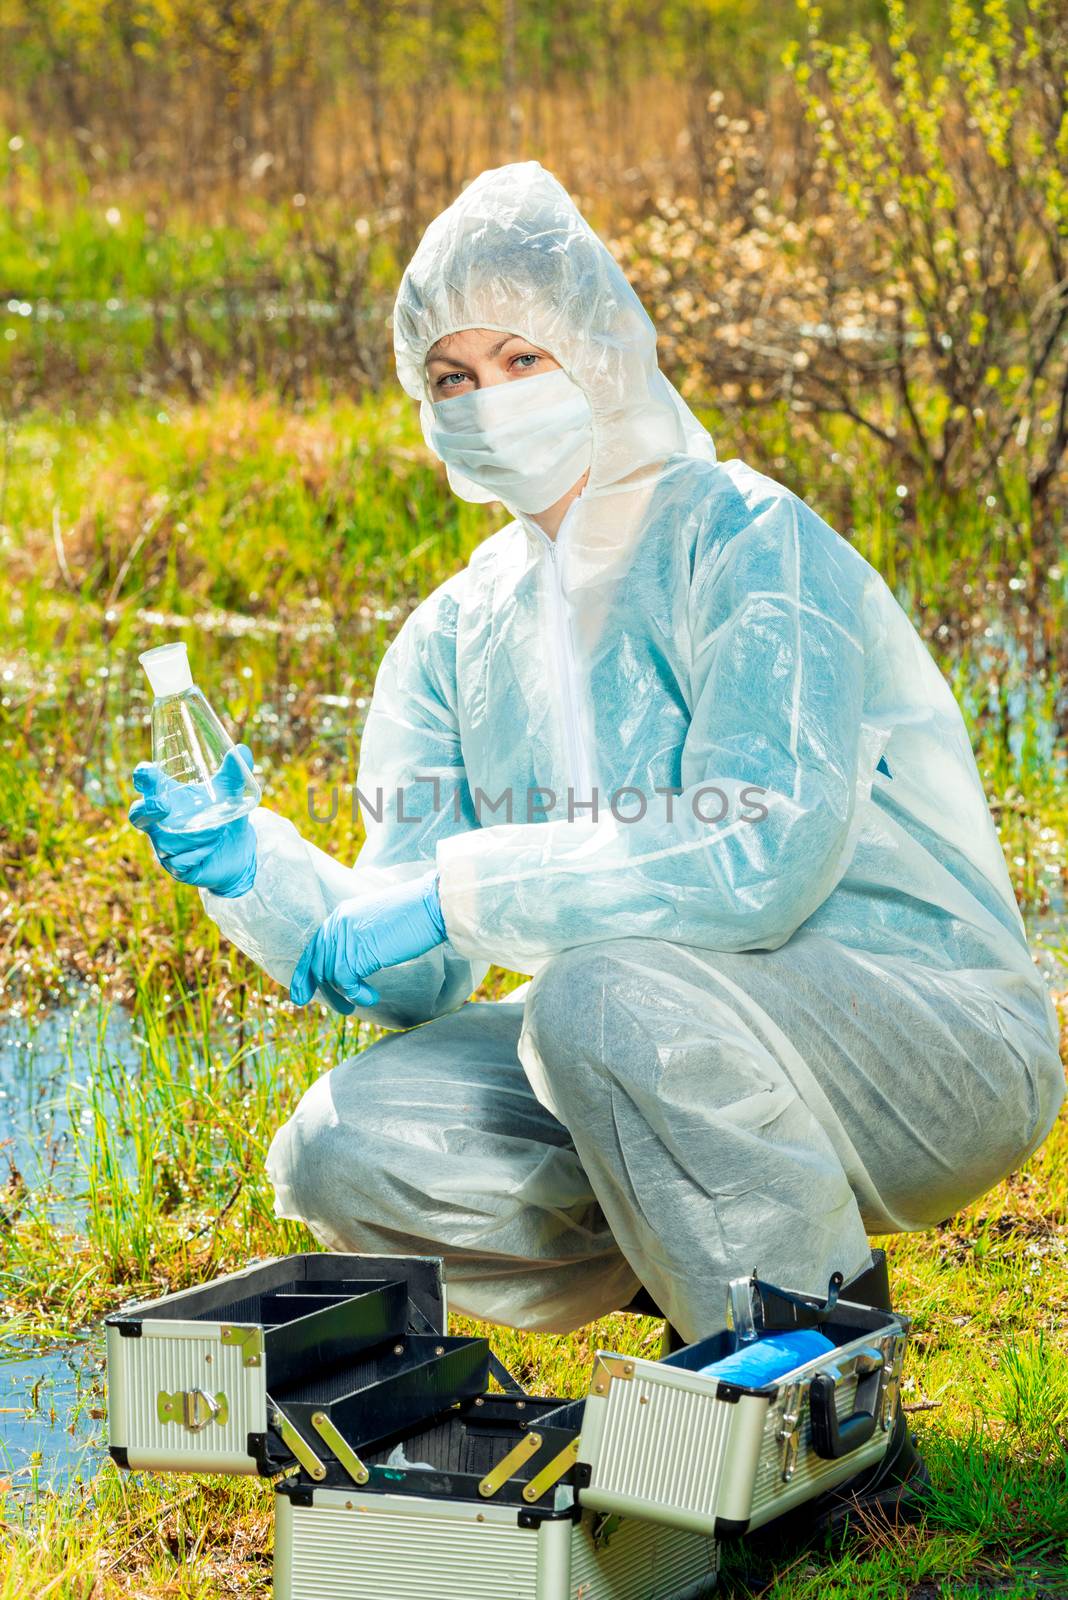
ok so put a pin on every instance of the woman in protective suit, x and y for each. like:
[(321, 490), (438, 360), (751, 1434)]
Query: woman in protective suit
[(668, 745)]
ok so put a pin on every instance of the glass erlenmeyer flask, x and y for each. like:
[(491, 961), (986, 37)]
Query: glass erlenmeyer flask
[(193, 748)]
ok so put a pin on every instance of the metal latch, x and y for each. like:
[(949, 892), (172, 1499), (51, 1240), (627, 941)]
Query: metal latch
[(894, 1357), (788, 1428), (192, 1408)]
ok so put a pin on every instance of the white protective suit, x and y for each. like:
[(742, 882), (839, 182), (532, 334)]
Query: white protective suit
[(781, 994)]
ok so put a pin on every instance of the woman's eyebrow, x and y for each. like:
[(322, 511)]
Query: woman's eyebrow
[(499, 346), (454, 361), (451, 361)]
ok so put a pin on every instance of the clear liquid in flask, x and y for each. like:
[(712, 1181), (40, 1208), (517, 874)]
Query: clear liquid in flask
[(193, 749)]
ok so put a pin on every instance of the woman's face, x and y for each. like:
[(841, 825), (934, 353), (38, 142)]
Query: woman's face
[(474, 358)]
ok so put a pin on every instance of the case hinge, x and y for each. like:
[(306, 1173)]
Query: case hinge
[(553, 1472), (742, 1299), (339, 1445), (192, 1408), (299, 1446), (498, 1476)]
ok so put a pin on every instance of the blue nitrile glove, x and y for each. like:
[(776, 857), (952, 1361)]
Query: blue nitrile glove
[(361, 936), (221, 859)]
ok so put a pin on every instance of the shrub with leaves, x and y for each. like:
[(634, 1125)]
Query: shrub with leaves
[(959, 175), (911, 271)]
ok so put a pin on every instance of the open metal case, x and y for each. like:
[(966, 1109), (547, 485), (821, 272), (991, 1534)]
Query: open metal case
[(484, 1505), (396, 1470)]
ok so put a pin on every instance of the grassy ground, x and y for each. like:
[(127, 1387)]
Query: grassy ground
[(286, 547)]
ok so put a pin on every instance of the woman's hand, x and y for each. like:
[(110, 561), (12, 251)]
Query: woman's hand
[(361, 936), (221, 859)]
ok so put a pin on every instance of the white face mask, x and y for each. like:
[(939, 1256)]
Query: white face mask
[(524, 442)]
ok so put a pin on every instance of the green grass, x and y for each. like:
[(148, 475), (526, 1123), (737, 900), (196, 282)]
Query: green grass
[(104, 298), (286, 546)]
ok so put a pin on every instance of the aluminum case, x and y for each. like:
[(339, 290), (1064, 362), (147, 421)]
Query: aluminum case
[(200, 1381), (345, 1546), (397, 1472), (660, 1440), (483, 1504)]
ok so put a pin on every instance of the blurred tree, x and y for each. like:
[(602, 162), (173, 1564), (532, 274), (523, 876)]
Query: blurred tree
[(309, 93), (909, 269), (958, 173)]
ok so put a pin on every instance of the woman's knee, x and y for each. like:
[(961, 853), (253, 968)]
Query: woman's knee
[(304, 1160), (435, 1128), (629, 1011), (566, 999), (344, 1141)]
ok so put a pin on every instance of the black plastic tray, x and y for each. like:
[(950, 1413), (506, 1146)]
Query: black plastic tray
[(459, 1450), (235, 1297), (396, 1385)]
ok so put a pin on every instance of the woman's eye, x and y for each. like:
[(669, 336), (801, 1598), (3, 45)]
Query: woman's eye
[(528, 357), (446, 381)]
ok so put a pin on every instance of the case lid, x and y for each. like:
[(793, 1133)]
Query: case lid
[(350, 1348)]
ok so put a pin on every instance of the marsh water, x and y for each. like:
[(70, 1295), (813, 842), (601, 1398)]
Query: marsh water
[(52, 1403), (52, 1409)]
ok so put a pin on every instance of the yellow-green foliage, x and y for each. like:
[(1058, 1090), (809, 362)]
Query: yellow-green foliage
[(951, 155)]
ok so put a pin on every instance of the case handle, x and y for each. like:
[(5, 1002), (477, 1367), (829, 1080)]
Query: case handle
[(834, 1437), (742, 1307), (755, 1307)]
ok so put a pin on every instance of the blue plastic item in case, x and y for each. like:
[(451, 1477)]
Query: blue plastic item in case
[(765, 1359)]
